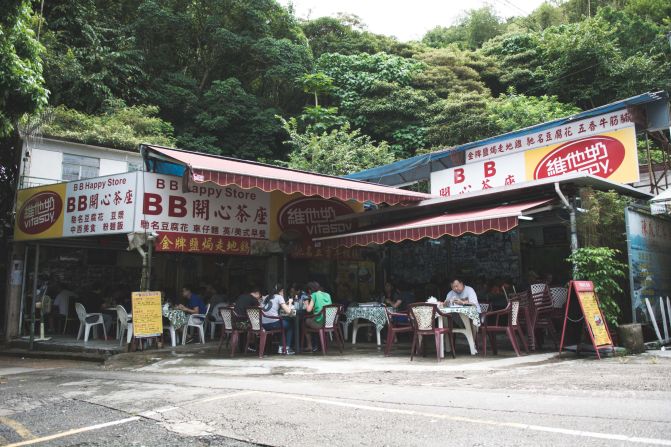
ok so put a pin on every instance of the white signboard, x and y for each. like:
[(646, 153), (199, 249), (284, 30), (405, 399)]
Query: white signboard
[(501, 171), (577, 130), (207, 209), (99, 206)]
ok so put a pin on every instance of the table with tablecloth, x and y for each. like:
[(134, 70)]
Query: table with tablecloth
[(178, 318), (377, 315), (469, 317)]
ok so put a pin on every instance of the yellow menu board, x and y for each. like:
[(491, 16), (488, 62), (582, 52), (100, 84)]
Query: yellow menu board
[(147, 315), (594, 318)]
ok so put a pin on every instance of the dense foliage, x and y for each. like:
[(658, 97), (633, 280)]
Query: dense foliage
[(213, 75)]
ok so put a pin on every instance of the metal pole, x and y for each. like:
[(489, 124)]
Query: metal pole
[(150, 252), (32, 307), (23, 289)]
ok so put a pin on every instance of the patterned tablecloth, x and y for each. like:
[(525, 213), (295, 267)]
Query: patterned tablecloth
[(177, 318), (470, 311), (374, 314)]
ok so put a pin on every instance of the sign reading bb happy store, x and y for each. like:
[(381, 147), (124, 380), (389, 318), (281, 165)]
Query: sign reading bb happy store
[(603, 146)]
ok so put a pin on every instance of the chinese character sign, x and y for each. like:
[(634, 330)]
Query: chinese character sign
[(474, 177), (202, 243), (587, 127), (649, 252), (206, 209), (98, 206), (611, 155)]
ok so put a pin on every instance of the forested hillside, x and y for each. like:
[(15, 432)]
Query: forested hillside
[(250, 80)]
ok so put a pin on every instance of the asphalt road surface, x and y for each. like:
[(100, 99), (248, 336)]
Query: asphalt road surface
[(617, 401)]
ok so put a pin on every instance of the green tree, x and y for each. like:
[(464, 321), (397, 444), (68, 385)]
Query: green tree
[(316, 84), (21, 84), (338, 152), (514, 111), (120, 127), (22, 92), (471, 31)]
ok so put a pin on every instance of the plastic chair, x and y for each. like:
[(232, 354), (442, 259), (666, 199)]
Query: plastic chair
[(216, 315), (229, 328), (423, 320), (511, 328), (124, 325), (394, 328), (197, 321), (357, 324), (87, 321), (330, 315), (540, 313), (255, 315)]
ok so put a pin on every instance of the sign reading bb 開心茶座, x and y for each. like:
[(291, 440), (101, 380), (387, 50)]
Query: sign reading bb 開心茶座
[(603, 146), (147, 314), (93, 207), (207, 218)]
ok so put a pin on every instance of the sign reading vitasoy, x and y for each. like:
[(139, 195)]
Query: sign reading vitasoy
[(39, 213), (206, 209), (611, 155), (103, 205), (597, 125)]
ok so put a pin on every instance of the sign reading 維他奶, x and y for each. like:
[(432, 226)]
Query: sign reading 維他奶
[(93, 207), (590, 146), (577, 130)]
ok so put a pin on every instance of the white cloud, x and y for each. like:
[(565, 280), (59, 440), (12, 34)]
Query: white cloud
[(407, 20)]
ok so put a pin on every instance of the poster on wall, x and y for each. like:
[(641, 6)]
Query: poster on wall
[(147, 314), (599, 149), (214, 219), (649, 253)]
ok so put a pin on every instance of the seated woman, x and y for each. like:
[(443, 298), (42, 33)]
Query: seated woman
[(271, 306)]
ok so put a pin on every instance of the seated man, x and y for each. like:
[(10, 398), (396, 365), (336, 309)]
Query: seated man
[(242, 303), (194, 303), (60, 306), (461, 294)]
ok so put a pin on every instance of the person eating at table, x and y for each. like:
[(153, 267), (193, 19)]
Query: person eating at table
[(194, 303), (271, 307), (318, 299), (461, 294)]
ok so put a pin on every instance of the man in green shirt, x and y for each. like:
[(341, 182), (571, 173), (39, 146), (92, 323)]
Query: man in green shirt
[(318, 300)]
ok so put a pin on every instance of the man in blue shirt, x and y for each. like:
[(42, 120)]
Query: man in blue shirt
[(194, 303)]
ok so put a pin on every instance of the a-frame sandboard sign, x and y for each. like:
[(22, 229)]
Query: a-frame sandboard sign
[(594, 322)]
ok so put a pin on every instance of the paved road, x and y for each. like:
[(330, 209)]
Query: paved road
[(570, 402)]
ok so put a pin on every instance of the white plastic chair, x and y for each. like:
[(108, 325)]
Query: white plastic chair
[(217, 318), (358, 323), (87, 321), (197, 321), (124, 325)]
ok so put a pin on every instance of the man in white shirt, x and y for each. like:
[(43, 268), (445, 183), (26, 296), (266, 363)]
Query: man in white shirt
[(461, 294), (61, 304)]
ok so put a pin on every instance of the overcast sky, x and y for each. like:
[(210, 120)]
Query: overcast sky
[(406, 19)]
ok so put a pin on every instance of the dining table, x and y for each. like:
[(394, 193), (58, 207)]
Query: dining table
[(469, 316), (376, 314)]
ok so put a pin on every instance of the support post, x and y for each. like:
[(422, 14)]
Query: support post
[(34, 300)]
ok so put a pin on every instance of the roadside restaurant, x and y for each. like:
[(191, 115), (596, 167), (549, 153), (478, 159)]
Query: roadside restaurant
[(202, 219)]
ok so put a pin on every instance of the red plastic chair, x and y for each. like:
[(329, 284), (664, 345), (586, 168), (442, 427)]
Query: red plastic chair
[(255, 315), (330, 315), (540, 314), (423, 320), (395, 328), (230, 328), (511, 327)]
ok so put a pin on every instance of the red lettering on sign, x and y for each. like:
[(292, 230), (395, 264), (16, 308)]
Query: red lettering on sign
[(490, 169), (459, 175), (599, 156)]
